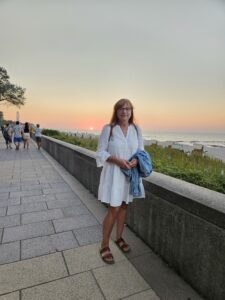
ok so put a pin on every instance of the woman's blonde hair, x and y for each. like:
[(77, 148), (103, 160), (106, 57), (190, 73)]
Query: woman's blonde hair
[(114, 119)]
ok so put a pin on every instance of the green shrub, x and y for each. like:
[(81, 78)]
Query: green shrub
[(200, 170)]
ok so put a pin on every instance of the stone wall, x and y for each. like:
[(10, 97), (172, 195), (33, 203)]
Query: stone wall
[(182, 222)]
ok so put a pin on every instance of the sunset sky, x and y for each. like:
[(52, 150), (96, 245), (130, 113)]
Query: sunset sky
[(76, 58)]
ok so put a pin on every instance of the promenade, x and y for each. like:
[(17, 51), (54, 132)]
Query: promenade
[(50, 228)]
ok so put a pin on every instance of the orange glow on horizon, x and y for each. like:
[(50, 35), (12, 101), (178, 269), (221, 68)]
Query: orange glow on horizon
[(93, 117)]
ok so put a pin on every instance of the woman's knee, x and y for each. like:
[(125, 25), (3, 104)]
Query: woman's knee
[(113, 211)]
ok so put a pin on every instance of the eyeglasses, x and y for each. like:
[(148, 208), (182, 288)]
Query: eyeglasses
[(127, 109)]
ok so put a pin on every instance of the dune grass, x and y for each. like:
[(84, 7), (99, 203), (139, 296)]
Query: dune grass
[(200, 170), (88, 143), (194, 168)]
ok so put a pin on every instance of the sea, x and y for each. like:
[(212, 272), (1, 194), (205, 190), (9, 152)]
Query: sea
[(208, 139), (216, 139)]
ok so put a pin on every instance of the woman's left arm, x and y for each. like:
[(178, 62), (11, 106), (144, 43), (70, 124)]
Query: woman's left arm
[(134, 161), (102, 154)]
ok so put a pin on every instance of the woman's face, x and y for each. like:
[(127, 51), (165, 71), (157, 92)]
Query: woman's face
[(124, 112)]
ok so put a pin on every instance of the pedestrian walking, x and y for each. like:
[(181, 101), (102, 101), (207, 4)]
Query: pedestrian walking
[(17, 130), (7, 134), (38, 136), (26, 135)]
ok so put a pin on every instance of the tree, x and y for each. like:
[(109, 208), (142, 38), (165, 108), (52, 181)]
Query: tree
[(10, 92)]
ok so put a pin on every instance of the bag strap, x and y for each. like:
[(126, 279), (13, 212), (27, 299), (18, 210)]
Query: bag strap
[(110, 133)]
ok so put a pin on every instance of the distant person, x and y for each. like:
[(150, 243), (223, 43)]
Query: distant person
[(119, 144), (17, 134), (26, 135), (7, 134), (37, 134)]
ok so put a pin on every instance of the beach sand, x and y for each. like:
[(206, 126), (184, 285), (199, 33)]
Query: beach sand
[(213, 151)]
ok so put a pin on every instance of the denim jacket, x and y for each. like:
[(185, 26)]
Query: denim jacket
[(143, 169)]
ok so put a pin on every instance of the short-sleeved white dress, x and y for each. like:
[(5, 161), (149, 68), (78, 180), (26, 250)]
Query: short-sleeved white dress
[(114, 186)]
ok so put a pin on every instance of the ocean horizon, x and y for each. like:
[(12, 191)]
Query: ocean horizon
[(207, 138)]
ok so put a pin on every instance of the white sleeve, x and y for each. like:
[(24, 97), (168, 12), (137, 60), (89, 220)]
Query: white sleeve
[(140, 139), (102, 154)]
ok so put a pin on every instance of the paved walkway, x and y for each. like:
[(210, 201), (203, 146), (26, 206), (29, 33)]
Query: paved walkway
[(49, 240)]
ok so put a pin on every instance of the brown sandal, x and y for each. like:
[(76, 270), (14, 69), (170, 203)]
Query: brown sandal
[(106, 257), (124, 247)]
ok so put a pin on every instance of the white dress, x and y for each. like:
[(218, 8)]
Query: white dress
[(114, 187)]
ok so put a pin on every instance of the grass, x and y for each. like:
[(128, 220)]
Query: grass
[(88, 143), (200, 170)]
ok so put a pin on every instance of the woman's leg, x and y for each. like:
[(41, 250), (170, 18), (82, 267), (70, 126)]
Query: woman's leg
[(108, 223), (10, 143), (121, 218)]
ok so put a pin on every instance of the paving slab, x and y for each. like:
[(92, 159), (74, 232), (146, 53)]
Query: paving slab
[(9, 202), (39, 198), (51, 180), (9, 252), (63, 203), (10, 189), (88, 235), (39, 216), (4, 196), (81, 287), (11, 296), (87, 258), (2, 211), (56, 190), (70, 195), (31, 272), (70, 223), (125, 278), (75, 210), (27, 207), (146, 295), (27, 231), (47, 244), (34, 186), (7, 221), (26, 193)]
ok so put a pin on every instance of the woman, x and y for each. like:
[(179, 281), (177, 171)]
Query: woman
[(38, 136), (26, 135), (118, 142), (17, 130), (7, 133)]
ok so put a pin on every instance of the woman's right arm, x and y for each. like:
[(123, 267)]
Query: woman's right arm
[(102, 153), (122, 163)]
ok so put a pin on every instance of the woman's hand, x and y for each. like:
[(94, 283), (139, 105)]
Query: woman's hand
[(124, 164), (133, 163)]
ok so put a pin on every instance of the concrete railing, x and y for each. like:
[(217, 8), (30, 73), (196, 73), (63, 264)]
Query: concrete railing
[(182, 222)]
